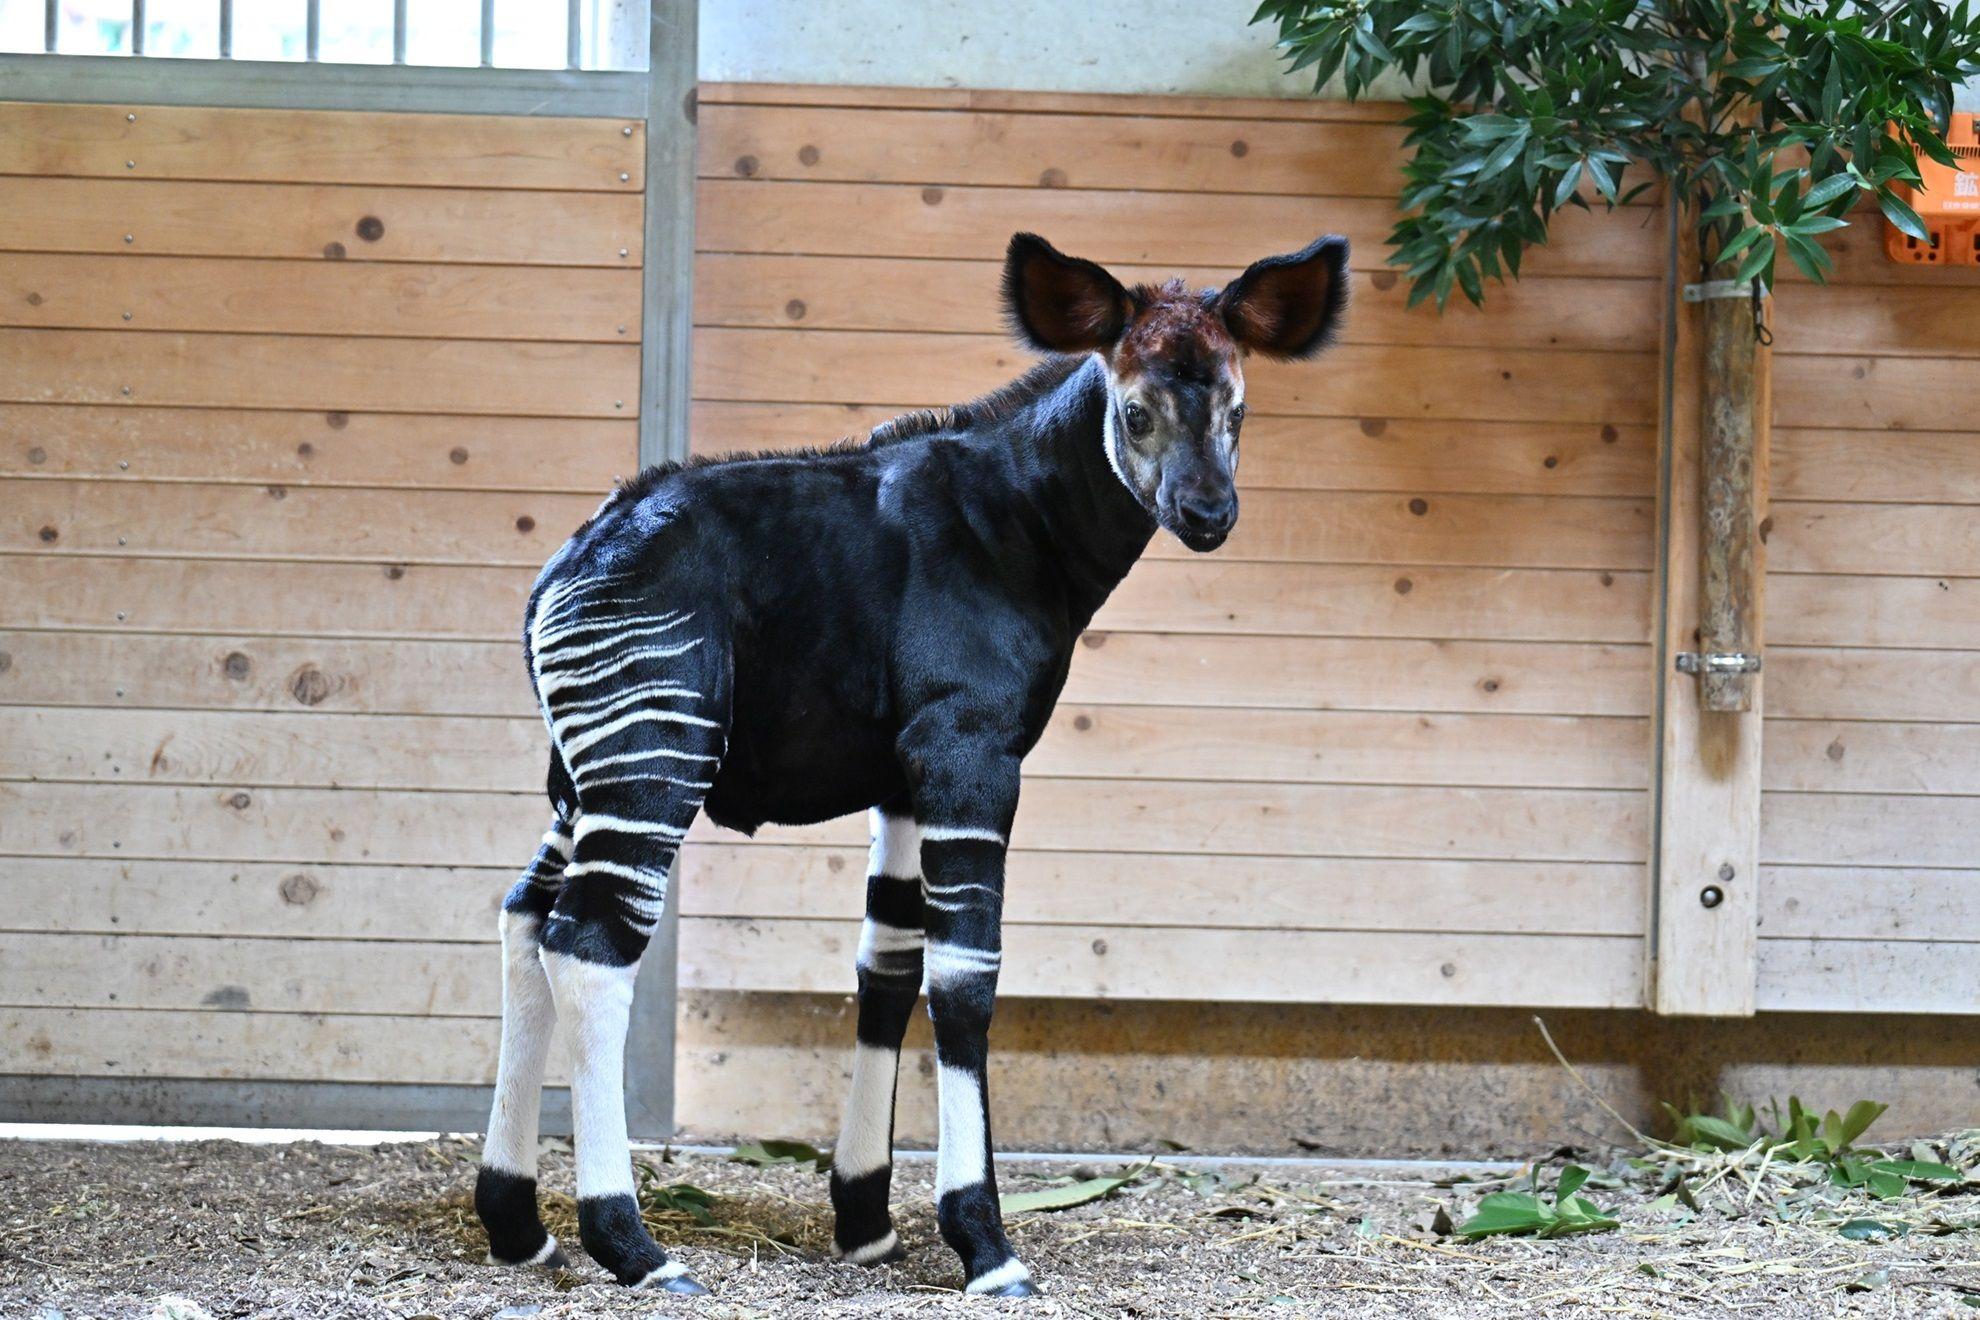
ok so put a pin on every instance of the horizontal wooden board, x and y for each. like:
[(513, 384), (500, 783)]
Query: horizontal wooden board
[(228, 974), (963, 297), (746, 880), (805, 366), (278, 220), (1375, 673), (1871, 756), (1903, 321), (487, 678), (226, 597), (1851, 684), (1907, 539), (1085, 741), (263, 674), (1855, 976), (1867, 829), (1304, 109), (1308, 453), (321, 146), (385, 904), (1873, 392), (501, 829), (1868, 903), (1115, 962), (1280, 746), (521, 529), (1130, 228), (994, 148), (1901, 467), (412, 752), (71, 1042), (60, 291), (525, 529), (266, 447), (293, 371), (1858, 252), (1834, 610)]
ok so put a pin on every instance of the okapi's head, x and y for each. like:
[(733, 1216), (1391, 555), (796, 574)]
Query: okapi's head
[(1175, 362)]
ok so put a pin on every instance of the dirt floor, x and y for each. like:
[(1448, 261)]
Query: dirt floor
[(216, 1229)]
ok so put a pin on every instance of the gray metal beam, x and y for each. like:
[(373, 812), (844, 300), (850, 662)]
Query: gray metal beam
[(665, 323), (278, 85)]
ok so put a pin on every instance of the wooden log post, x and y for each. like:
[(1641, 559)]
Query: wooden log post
[(1712, 491)]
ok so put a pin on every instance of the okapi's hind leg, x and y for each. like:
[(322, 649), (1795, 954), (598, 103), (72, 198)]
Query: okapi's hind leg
[(505, 1189), (889, 984), (638, 708)]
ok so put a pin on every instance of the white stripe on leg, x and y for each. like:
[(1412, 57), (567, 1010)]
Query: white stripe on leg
[(961, 1156), (594, 1002), (866, 1133), (896, 850), (528, 1018)]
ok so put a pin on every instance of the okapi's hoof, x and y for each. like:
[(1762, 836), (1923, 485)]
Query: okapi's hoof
[(674, 1278), (685, 1285), (1021, 1288), (1011, 1279), (550, 1257), (886, 1250)]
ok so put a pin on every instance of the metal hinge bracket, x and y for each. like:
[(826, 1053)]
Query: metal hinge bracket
[(1720, 289), (1718, 662)]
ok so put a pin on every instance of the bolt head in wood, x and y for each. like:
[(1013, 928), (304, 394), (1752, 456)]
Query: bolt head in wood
[(1711, 896)]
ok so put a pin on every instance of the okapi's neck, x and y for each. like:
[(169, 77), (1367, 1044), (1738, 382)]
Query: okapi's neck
[(1093, 525)]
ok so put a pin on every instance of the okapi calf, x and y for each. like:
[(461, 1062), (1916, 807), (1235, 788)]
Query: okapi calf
[(885, 626)]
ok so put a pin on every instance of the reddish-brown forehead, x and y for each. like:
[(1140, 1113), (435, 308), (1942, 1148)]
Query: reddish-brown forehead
[(1176, 331)]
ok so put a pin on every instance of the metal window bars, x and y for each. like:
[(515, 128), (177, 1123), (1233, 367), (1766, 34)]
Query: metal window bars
[(313, 30)]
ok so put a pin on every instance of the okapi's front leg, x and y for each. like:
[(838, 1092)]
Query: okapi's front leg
[(889, 983), (966, 811)]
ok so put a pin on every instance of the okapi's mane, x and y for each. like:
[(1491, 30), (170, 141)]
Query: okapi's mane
[(1039, 380)]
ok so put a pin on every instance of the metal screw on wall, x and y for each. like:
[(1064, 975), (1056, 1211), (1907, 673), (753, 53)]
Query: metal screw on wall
[(1711, 896)]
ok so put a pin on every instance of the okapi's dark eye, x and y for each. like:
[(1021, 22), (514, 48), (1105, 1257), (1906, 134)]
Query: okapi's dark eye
[(1237, 417), (1138, 420)]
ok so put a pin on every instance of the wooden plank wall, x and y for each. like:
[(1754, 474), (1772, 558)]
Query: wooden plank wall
[(1870, 817), (1391, 744), (292, 407)]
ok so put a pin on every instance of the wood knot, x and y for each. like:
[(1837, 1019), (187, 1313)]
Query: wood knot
[(1550, 461), (1608, 579), (309, 685), (6, 661), (1374, 426), (746, 166), (1836, 750), (1419, 506), (1608, 435), (49, 534), (1490, 685), (1052, 178), (931, 196), (1093, 641), (1100, 947), (1505, 375), (457, 455), (34, 300), (1383, 280), (807, 154), (240, 801), (334, 251), (795, 309), (1404, 586), (1448, 970), (298, 889), (371, 229), (37, 455), (835, 863), (1766, 528), (305, 450), (1082, 722), (237, 665), (277, 492), (525, 524), (1240, 148), (336, 421), (393, 572)]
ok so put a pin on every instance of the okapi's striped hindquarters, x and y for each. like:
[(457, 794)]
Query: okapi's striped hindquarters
[(883, 626)]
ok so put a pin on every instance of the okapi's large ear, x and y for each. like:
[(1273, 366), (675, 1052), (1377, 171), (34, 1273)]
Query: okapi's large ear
[(1290, 306), (1061, 304)]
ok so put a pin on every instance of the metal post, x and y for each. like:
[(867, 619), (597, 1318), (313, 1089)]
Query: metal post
[(398, 31), (137, 27), (665, 320), (226, 29), (313, 30), (487, 34), (573, 34), (51, 16)]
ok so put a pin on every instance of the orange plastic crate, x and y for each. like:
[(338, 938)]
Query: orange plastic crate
[(1949, 204)]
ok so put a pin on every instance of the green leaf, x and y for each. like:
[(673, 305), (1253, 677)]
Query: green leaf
[(1071, 1194), (1572, 1177), (1831, 188), (1859, 1118), (1899, 213), (767, 1153), (1812, 260), (1921, 1170), (1868, 1230), (1757, 261), (1507, 1212)]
